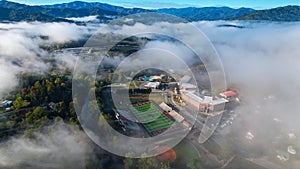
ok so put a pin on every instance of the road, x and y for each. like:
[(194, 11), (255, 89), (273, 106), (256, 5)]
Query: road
[(16, 111)]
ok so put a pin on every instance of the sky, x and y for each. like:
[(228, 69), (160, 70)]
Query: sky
[(257, 4)]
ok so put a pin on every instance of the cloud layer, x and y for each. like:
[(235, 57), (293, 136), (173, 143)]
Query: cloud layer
[(57, 146), (261, 60), (20, 47)]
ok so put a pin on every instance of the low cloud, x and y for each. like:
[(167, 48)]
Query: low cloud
[(261, 60), (57, 146), (20, 47), (84, 19)]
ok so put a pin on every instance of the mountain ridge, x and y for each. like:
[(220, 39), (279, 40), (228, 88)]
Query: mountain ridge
[(12, 11), (285, 13), (205, 13)]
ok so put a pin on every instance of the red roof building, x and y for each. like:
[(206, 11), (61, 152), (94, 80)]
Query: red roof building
[(228, 94)]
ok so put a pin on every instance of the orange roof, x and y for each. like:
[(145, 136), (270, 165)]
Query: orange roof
[(169, 155), (229, 93)]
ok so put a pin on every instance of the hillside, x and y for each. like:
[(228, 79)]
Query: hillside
[(206, 13), (287, 13), (24, 15), (11, 11), (190, 14), (56, 12), (98, 5)]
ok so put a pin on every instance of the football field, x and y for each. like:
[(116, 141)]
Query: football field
[(152, 118)]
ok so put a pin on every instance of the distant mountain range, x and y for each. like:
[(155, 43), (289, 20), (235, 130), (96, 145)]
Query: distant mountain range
[(11, 11), (206, 13), (287, 13)]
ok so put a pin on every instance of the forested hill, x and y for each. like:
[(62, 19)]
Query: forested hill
[(287, 13), (11, 11), (206, 13)]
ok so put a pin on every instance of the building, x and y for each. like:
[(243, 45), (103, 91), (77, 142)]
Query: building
[(206, 105), (145, 79), (176, 116), (188, 86), (228, 94), (6, 103), (165, 107), (153, 78), (152, 85), (191, 99)]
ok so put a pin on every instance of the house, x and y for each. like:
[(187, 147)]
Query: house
[(6, 103), (52, 105)]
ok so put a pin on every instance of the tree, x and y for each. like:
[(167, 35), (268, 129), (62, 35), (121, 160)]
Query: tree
[(109, 78), (18, 103), (49, 86), (58, 119), (151, 163), (165, 165), (57, 81), (120, 75), (10, 124), (194, 163), (60, 107), (129, 163), (36, 92), (132, 74), (36, 116)]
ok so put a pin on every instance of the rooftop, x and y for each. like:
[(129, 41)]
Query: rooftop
[(152, 84), (193, 96), (206, 100), (188, 85), (165, 107), (219, 101), (228, 93), (176, 116)]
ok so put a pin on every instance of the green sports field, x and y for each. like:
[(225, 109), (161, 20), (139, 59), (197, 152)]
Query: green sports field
[(154, 120)]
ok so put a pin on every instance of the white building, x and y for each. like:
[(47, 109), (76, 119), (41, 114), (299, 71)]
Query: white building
[(176, 116), (155, 77), (6, 103), (188, 86), (165, 107), (204, 105), (152, 85)]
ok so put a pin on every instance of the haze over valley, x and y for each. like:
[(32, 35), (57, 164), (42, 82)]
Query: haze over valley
[(48, 51)]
